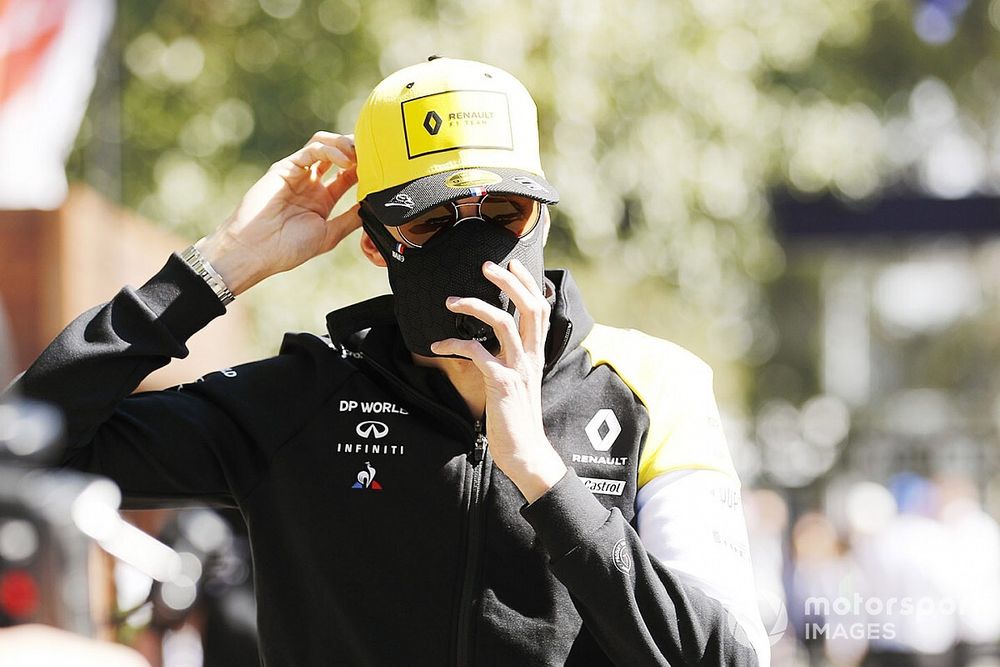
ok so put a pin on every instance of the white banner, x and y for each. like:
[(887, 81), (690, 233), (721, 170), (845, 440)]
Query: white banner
[(48, 61)]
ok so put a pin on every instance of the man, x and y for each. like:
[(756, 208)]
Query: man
[(467, 471)]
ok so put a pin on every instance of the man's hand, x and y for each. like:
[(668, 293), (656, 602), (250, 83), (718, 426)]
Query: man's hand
[(281, 221), (513, 378)]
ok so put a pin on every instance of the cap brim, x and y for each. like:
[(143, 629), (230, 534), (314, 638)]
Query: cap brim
[(394, 206)]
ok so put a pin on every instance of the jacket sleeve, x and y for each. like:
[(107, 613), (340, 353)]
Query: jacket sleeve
[(160, 447), (678, 589)]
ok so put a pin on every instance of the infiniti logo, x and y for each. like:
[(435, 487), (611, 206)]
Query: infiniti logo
[(372, 429)]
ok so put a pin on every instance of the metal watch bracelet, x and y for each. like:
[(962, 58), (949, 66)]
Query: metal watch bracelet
[(193, 258)]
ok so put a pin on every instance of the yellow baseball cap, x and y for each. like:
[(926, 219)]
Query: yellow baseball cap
[(446, 129)]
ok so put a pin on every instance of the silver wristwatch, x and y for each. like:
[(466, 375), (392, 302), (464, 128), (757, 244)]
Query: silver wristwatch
[(193, 258)]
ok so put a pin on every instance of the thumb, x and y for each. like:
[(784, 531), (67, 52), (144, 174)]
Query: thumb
[(338, 228)]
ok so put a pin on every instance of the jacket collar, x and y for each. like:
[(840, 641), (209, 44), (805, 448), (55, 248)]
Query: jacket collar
[(569, 322), (354, 325)]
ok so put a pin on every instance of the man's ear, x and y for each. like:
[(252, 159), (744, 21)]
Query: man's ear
[(370, 251)]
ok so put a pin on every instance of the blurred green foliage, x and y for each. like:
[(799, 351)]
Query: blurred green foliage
[(664, 125)]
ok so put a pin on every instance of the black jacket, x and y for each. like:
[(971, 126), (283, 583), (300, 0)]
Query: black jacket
[(381, 531)]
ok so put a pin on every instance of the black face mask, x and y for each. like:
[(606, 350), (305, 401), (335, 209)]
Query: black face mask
[(451, 264)]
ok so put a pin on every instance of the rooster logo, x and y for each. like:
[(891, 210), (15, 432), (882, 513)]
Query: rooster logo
[(366, 479)]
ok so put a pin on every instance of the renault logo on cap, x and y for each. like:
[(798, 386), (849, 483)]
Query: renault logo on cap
[(432, 122), (372, 429), (445, 124)]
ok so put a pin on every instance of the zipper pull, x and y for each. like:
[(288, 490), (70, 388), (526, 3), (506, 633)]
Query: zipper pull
[(479, 447)]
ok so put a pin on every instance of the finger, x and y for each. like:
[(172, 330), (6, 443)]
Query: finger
[(529, 302), (519, 296), (521, 272), (317, 151), (524, 276), (342, 183), (317, 169), (343, 142), (342, 226), (500, 320), (471, 350)]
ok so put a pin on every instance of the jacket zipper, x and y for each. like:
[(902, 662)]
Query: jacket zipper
[(481, 464), (473, 546)]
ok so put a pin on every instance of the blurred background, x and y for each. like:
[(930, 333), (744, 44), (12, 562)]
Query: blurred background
[(803, 192)]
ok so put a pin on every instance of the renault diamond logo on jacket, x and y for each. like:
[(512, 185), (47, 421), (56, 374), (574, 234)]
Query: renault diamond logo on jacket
[(366, 479), (372, 429), (603, 430)]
